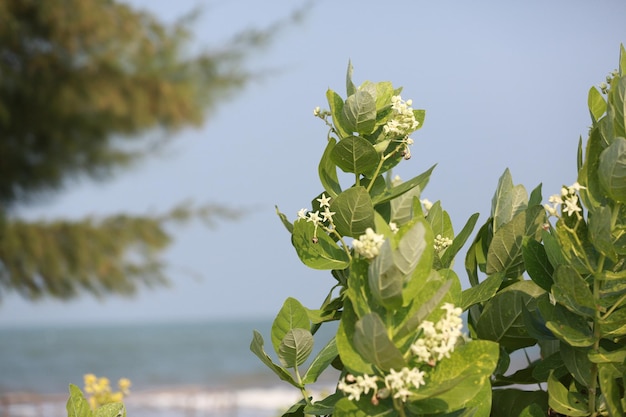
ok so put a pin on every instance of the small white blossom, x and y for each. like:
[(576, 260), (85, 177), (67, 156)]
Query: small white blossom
[(394, 227), (302, 213), (314, 217), (327, 214), (401, 382), (441, 243), (368, 245), (396, 181), (427, 205), (571, 205), (354, 387), (567, 200), (324, 201)]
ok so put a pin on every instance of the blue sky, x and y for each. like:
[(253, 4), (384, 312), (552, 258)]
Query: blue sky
[(504, 84)]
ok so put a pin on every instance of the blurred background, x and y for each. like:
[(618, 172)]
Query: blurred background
[(203, 115)]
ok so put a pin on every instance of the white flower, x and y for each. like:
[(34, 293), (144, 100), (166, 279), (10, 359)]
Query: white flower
[(427, 205), (314, 217), (441, 243), (302, 213), (316, 111), (401, 382), (571, 205), (368, 245), (327, 214), (396, 181), (354, 387), (324, 201), (394, 227)]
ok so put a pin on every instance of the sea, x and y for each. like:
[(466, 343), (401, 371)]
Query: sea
[(177, 369)]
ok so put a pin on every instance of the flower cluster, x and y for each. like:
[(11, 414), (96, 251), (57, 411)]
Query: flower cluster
[(438, 340), (325, 218), (402, 122), (568, 200), (441, 243), (368, 245), (435, 342), (100, 393)]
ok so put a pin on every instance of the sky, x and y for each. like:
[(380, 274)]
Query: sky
[(504, 85)]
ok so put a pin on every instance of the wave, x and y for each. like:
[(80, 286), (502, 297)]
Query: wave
[(172, 402)]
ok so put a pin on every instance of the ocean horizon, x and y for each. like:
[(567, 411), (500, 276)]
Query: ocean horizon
[(179, 368)]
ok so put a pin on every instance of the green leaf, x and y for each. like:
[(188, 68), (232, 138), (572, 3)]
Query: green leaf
[(572, 291), (256, 346), (513, 402), (612, 170), (359, 111), (481, 292), (372, 342), (597, 104), (385, 279), (350, 87), (347, 408), (565, 325), (323, 359), (325, 254), (600, 232), (348, 353), (292, 315), (593, 195), (335, 102), (324, 407), (614, 325), (110, 410), (77, 405), (439, 221), (295, 347), (604, 356), (505, 252), (327, 171), (507, 201), (577, 362), (288, 225), (458, 241), (537, 264), (611, 390), (402, 206), (356, 155), (354, 212), (562, 402), (502, 318), (394, 192)]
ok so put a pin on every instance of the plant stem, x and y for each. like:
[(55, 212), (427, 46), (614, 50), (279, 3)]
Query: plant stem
[(596, 336)]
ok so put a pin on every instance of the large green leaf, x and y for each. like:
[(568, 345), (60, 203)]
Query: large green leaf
[(317, 251), (561, 400), (572, 291), (600, 232), (295, 347), (612, 170), (256, 346), (537, 264), (420, 181), (292, 315), (323, 359), (481, 292), (565, 325), (512, 402), (355, 154), (354, 212), (593, 193), (617, 106), (597, 104), (350, 357), (611, 389), (508, 200), (347, 408), (336, 110), (502, 318), (77, 405), (402, 206), (359, 112), (373, 343), (505, 251), (327, 171), (577, 362), (458, 241), (386, 279)]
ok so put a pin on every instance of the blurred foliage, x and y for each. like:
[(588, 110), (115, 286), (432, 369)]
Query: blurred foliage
[(81, 83)]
